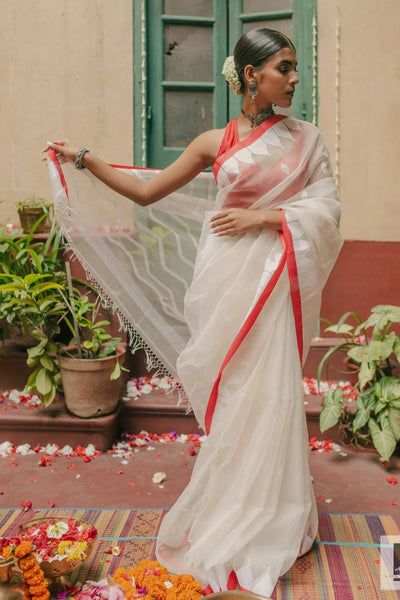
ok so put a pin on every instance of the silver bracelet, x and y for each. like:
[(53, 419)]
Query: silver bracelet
[(79, 157)]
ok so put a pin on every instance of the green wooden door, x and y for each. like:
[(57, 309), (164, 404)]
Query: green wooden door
[(179, 49)]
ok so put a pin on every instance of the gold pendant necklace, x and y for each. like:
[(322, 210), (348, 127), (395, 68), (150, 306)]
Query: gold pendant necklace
[(260, 117)]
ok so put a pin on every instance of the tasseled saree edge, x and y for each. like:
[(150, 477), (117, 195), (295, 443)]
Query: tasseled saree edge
[(140, 259)]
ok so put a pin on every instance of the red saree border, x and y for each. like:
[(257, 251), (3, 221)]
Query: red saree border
[(294, 283), (52, 156), (288, 256), (246, 142)]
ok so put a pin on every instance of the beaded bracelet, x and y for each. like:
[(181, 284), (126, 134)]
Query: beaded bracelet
[(79, 157)]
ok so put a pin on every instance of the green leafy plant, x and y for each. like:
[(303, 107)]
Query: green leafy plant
[(37, 294), (373, 347), (33, 201), (21, 255)]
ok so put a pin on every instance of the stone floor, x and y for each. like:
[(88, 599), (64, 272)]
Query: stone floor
[(345, 480)]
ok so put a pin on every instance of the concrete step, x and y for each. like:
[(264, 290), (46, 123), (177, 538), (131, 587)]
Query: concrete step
[(156, 412), (39, 426)]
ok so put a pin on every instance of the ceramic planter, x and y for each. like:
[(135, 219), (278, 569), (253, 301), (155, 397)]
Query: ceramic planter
[(88, 390)]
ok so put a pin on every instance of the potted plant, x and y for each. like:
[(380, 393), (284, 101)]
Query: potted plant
[(34, 214), (21, 255), (38, 295), (373, 347), (90, 366)]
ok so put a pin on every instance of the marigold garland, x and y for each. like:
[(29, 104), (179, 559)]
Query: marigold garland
[(150, 580), (31, 571)]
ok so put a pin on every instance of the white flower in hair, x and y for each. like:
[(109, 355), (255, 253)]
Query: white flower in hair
[(230, 73)]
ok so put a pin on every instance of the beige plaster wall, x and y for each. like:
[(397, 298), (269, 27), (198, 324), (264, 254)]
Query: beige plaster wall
[(65, 71), (368, 126)]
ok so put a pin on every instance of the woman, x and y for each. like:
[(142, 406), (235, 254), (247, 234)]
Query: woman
[(249, 510)]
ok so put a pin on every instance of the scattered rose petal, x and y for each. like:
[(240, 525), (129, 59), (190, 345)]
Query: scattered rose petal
[(159, 477), (392, 480), (51, 504), (26, 505), (393, 503)]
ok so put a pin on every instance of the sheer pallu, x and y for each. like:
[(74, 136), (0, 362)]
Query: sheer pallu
[(249, 509)]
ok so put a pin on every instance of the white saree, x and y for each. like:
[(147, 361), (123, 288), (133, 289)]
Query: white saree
[(249, 313), (249, 509)]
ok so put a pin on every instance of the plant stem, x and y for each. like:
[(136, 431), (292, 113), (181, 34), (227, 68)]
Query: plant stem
[(71, 300)]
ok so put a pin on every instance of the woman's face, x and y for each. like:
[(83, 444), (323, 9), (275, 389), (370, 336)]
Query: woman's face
[(277, 78)]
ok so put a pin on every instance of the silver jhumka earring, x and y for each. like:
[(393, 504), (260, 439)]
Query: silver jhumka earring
[(252, 91)]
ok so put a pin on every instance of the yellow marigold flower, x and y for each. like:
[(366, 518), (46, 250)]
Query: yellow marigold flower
[(6, 552)]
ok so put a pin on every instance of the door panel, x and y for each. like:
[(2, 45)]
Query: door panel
[(180, 48)]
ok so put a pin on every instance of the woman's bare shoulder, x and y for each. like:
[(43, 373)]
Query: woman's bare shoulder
[(208, 144)]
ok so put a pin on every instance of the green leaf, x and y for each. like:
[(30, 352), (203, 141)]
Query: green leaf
[(58, 382), (368, 398), (48, 398), (31, 383), (345, 328), (383, 439), (47, 363), (363, 413), (388, 389), (366, 374), (43, 381), (332, 409), (32, 362), (394, 418), (37, 350), (116, 373)]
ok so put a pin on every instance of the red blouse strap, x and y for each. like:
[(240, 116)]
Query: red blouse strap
[(230, 139)]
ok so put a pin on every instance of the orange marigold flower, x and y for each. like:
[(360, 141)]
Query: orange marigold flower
[(44, 596), (6, 551), (23, 549), (27, 562), (33, 571), (34, 579), (37, 590)]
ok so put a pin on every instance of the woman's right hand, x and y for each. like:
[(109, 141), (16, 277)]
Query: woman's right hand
[(66, 151)]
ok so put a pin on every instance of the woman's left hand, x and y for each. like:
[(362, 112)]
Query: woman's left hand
[(240, 220)]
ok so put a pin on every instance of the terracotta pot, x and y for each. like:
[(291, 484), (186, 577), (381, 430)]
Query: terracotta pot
[(21, 337), (88, 389), (29, 215)]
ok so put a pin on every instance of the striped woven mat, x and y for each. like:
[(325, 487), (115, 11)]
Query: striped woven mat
[(344, 563)]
